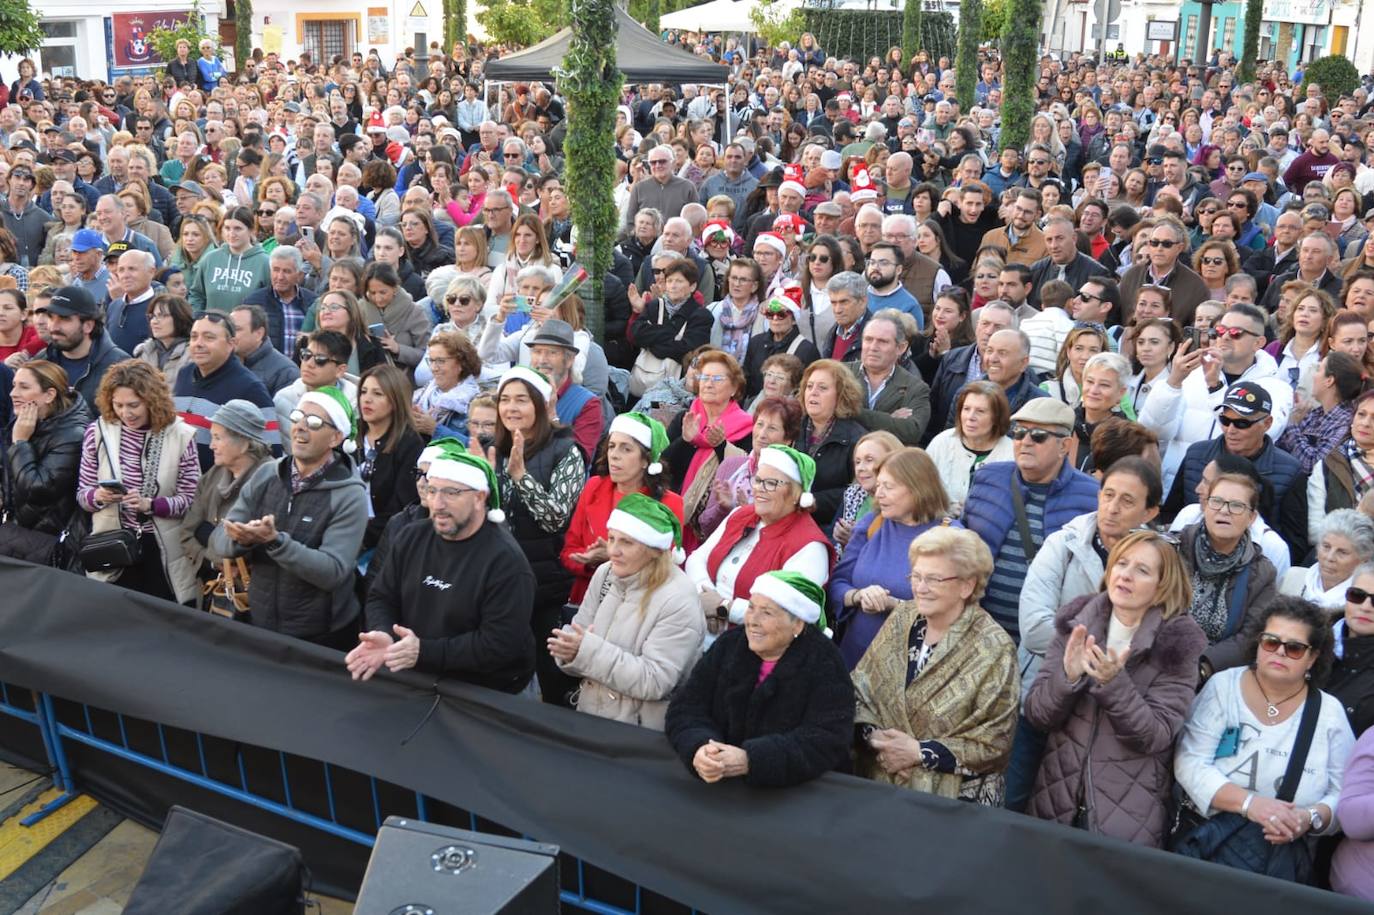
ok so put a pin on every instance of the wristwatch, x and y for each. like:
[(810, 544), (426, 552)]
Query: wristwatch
[(1316, 817)]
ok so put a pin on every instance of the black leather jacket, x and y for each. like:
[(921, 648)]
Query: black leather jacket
[(40, 474)]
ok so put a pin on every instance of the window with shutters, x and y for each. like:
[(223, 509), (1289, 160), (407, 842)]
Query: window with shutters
[(326, 39)]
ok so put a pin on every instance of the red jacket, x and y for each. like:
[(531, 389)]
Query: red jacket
[(588, 525)]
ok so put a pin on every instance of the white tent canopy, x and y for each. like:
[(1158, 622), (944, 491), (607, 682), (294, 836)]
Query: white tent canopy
[(721, 16)]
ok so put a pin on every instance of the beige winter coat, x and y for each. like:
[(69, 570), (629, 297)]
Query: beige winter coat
[(630, 662)]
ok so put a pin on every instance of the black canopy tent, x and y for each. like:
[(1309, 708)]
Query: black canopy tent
[(640, 55)]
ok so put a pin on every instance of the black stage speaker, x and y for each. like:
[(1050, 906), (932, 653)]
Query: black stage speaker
[(422, 869), (202, 866)]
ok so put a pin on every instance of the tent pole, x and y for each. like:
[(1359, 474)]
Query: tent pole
[(725, 97)]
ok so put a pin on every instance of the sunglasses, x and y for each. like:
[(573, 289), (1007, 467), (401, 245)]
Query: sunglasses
[(1214, 261), (312, 422), (1235, 333), (320, 359), (265, 212), (1038, 436), (818, 259), (777, 312), (1292, 650), (1237, 423), (460, 299), (1358, 595), (1161, 243), (217, 317)]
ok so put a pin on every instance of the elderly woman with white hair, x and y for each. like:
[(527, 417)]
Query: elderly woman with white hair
[(1345, 542), (1104, 385)]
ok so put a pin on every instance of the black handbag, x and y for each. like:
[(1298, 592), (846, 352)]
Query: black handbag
[(1232, 840), (109, 550)]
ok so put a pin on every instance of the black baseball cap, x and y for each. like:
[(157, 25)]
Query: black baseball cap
[(73, 300), (1248, 399)]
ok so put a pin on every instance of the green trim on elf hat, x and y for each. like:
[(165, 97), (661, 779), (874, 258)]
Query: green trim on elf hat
[(650, 522), (795, 593), (458, 466), (334, 403), (799, 467), (646, 430)]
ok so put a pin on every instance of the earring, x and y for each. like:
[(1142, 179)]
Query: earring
[(1308, 675)]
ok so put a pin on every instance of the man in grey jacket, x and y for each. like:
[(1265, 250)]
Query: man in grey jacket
[(301, 519)]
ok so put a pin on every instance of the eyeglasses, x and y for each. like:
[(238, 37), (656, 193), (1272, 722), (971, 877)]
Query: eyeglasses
[(450, 493), (1238, 423), (1039, 161), (715, 379), (334, 306), (312, 422), (320, 359), (1038, 436), (1358, 595), (1227, 506), (918, 580), (768, 484), (776, 376), (1235, 333), (1292, 650)]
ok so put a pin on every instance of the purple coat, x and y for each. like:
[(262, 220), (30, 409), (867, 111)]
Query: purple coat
[(1111, 745), (879, 561)]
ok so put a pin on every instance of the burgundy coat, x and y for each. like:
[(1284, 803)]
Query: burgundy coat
[(1112, 746)]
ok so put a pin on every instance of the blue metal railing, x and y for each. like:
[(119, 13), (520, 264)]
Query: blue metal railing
[(81, 724)]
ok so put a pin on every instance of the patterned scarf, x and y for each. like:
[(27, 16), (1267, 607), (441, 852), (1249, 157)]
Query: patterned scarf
[(1359, 469), (735, 324), (1212, 576)]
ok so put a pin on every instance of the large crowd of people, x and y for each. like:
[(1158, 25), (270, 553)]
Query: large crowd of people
[(1035, 476)]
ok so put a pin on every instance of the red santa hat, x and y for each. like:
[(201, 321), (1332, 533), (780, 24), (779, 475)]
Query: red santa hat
[(772, 240), (861, 187), (789, 222), (793, 179), (790, 298), (714, 228), (375, 124)]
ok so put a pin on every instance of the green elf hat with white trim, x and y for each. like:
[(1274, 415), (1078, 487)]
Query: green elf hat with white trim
[(437, 448), (650, 522), (795, 593), (529, 376), (800, 468), (334, 403), (646, 430), (458, 466)]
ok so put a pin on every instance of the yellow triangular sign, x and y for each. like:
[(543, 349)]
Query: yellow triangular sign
[(418, 11)]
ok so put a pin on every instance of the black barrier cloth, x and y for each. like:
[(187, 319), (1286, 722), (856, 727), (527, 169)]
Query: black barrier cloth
[(606, 792)]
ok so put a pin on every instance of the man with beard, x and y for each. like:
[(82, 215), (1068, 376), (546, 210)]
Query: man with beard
[(459, 604), (76, 328)]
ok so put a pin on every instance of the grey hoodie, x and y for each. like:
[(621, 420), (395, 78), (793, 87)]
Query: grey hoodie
[(224, 278)]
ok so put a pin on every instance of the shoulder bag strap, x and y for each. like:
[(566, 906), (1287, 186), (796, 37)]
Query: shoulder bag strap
[(105, 447), (1236, 613), (1018, 503), (1311, 710)]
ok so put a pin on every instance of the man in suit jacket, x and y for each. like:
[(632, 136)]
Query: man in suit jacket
[(1315, 256), (896, 400), (1064, 261), (1162, 267)]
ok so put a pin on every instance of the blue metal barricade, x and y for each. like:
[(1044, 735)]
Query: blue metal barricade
[(300, 790)]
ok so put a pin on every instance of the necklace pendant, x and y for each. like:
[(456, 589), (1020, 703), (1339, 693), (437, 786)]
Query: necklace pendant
[(1272, 711)]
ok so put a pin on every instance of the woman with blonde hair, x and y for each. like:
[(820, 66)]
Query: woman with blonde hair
[(639, 629), (470, 251), (871, 579), (1112, 726), (529, 247), (138, 203), (936, 691), (139, 472)]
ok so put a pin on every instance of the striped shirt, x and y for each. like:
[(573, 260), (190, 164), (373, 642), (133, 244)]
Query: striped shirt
[(1003, 597), (131, 443)]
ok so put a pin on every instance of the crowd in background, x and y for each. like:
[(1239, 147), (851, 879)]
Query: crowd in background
[(1035, 476)]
